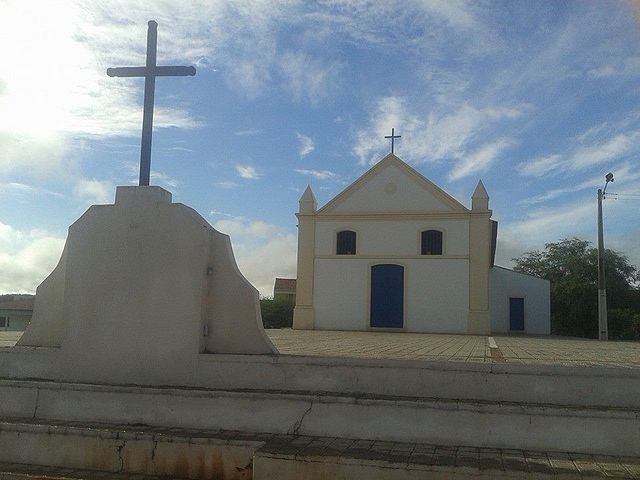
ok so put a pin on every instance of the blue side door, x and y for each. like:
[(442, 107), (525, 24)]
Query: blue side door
[(516, 314), (387, 296)]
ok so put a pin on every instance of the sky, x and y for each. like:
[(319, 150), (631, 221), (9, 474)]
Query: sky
[(539, 99)]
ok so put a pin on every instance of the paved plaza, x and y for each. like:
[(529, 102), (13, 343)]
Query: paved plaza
[(461, 348), (443, 347)]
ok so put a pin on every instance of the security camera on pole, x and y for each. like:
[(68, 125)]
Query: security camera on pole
[(602, 287)]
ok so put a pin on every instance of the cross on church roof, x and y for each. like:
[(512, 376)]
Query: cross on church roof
[(393, 137), (149, 72)]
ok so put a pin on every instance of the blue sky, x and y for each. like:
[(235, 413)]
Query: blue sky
[(538, 99)]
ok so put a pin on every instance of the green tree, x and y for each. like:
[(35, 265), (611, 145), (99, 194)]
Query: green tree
[(276, 313), (571, 265)]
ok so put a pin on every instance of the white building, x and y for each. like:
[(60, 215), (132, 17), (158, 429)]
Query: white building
[(395, 252)]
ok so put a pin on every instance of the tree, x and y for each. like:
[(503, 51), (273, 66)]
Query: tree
[(276, 313), (571, 265)]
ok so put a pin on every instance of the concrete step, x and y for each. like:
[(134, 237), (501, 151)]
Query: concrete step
[(442, 421), (315, 458), (18, 471), (127, 449), (71, 450)]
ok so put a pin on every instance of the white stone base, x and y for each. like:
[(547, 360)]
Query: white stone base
[(142, 288)]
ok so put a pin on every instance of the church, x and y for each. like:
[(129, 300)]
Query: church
[(394, 252)]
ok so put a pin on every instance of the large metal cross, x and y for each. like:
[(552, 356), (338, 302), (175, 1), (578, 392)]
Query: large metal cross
[(149, 72), (393, 137)]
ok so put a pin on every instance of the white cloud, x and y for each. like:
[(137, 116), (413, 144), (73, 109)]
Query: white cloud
[(448, 131), (163, 180), (540, 166), (44, 117), (542, 226), (554, 222), (77, 96), (155, 177), (627, 67), (95, 191), (574, 219), (606, 145), (215, 212), (16, 188), (250, 76), (26, 258), (227, 184), (263, 251), (480, 160), (309, 77), (319, 174), (180, 149), (247, 171), (628, 176), (248, 132), (390, 112), (307, 145), (456, 13), (47, 156), (601, 152), (241, 227)]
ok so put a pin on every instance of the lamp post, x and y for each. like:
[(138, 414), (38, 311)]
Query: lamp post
[(603, 331)]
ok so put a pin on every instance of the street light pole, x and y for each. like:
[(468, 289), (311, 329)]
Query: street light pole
[(602, 287)]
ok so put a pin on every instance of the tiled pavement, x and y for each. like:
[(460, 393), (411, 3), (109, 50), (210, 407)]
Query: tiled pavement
[(569, 351), (408, 346), (443, 347), (462, 348), (8, 339)]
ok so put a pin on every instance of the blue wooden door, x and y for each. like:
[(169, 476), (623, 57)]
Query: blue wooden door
[(387, 296), (516, 314)]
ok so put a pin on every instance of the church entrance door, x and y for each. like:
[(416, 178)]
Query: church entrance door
[(387, 296)]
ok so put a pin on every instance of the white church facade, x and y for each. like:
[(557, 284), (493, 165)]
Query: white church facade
[(394, 252)]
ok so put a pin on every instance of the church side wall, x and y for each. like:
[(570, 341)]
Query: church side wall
[(436, 287), (506, 283)]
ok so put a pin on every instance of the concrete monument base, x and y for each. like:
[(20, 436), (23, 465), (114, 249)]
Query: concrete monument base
[(142, 288)]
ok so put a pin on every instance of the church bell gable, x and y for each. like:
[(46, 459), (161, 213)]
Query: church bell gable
[(392, 186)]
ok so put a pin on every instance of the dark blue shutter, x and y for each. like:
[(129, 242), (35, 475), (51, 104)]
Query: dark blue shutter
[(516, 314)]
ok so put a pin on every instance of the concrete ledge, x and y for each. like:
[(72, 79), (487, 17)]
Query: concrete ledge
[(546, 384), (429, 420)]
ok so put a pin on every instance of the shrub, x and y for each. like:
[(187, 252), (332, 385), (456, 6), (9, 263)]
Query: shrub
[(624, 324), (276, 313)]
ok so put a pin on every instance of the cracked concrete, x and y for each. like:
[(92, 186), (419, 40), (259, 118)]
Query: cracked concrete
[(119, 449), (296, 426), (35, 408)]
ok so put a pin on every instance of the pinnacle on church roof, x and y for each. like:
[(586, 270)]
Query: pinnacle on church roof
[(480, 191), (308, 195), (308, 201)]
